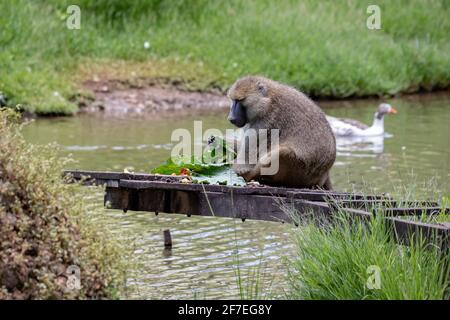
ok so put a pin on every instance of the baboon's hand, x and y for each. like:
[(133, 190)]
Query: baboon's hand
[(246, 173)]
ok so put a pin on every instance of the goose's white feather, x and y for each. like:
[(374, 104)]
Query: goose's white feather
[(343, 128)]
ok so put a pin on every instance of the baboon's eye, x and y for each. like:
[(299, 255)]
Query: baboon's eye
[(262, 89)]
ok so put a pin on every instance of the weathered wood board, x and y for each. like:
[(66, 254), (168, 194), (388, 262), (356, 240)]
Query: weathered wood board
[(159, 193)]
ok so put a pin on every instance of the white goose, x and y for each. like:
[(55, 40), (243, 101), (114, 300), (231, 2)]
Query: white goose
[(354, 128)]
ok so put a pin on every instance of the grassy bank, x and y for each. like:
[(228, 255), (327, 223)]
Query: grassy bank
[(46, 228), (324, 48), (340, 262)]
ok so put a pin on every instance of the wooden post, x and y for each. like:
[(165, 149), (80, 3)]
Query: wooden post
[(167, 239)]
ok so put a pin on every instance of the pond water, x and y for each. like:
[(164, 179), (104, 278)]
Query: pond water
[(413, 160)]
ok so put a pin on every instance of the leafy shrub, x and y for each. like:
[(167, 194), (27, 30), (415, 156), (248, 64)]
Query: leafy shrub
[(44, 227)]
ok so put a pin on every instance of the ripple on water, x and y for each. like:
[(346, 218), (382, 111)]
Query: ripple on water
[(204, 253)]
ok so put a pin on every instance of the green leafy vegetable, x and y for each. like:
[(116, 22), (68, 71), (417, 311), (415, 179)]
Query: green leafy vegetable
[(177, 164), (213, 161)]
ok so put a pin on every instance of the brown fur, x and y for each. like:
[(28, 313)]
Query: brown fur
[(307, 148)]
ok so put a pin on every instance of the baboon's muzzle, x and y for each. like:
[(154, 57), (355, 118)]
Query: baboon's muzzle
[(237, 115)]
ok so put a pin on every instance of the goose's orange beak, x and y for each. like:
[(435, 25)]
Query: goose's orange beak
[(393, 110)]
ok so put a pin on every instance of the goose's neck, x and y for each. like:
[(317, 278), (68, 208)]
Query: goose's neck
[(378, 120)]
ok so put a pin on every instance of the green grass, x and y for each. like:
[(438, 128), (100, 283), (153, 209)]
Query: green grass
[(324, 48), (253, 283), (332, 263)]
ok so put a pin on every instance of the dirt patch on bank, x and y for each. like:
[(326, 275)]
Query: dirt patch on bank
[(165, 97), (116, 98)]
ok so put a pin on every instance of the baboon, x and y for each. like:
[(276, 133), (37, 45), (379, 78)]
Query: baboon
[(306, 148)]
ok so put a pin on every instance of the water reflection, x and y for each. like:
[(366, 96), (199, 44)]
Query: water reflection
[(359, 145)]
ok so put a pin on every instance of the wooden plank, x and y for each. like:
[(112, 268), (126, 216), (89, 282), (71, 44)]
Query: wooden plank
[(257, 207), (102, 177), (323, 195), (116, 198), (112, 178), (158, 193), (390, 207), (407, 230), (242, 206), (384, 203), (195, 203), (415, 211), (306, 194)]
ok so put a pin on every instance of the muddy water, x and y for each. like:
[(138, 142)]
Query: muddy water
[(203, 262)]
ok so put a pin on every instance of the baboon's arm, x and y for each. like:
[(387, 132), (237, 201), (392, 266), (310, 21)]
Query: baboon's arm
[(267, 163)]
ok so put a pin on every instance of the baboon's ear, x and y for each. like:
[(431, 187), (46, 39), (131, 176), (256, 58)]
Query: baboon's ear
[(262, 89)]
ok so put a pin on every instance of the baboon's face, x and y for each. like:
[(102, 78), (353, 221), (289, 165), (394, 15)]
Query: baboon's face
[(249, 100)]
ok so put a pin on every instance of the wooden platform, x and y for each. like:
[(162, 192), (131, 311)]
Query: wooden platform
[(159, 193)]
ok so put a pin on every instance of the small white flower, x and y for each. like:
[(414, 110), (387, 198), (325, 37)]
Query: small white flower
[(403, 148), (146, 45)]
